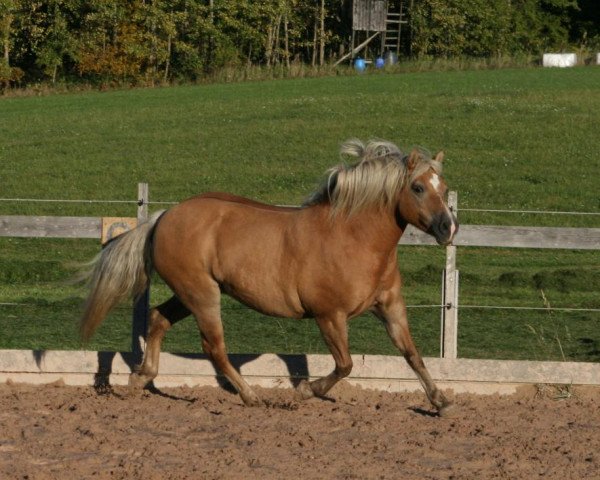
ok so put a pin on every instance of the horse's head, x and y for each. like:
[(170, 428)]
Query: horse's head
[(422, 200), (410, 187)]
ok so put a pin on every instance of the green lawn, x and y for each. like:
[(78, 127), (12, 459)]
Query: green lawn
[(516, 139)]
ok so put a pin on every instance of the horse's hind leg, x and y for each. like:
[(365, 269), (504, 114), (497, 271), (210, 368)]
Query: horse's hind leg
[(161, 319), (334, 329), (206, 307)]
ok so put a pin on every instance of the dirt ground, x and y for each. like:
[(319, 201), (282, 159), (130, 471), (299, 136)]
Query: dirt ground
[(60, 432)]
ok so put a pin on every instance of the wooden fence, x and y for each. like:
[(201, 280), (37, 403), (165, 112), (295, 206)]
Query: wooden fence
[(375, 371)]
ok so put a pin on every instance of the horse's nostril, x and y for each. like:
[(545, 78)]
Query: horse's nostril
[(444, 226)]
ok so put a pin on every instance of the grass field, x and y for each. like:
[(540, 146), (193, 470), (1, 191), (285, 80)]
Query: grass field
[(514, 139)]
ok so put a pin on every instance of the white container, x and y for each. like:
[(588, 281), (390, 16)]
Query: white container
[(598, 59), (559, 60)]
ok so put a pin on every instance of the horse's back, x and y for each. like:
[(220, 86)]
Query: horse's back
[(236, 199)]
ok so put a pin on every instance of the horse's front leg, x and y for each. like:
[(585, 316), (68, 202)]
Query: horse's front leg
[(391, 309), (335, 333)]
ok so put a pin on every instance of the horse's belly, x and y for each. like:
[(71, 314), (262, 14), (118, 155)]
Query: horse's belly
[(268, 300)]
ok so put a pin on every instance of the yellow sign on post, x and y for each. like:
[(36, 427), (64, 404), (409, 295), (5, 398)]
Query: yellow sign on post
[(114, 226)]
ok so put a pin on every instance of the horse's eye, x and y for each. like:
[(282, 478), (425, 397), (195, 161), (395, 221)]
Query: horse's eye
[(417, 188)]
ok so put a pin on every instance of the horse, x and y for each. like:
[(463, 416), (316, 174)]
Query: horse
[(330, 259)]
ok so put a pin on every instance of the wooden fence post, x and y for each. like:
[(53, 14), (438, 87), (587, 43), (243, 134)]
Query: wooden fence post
[(141, 305), (449, 324)]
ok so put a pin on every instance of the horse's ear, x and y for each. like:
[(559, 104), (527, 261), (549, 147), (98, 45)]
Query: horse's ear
[(412, 160), (439, 157)]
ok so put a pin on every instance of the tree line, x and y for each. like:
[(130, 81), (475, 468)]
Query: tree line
[(156, 41)]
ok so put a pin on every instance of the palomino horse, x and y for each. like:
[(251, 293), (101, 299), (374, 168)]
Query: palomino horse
[(331, 259)]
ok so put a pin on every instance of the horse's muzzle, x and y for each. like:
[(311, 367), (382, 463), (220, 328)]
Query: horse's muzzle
[(443, 228)]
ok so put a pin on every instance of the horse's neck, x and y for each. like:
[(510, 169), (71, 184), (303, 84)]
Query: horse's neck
[(373, 229)]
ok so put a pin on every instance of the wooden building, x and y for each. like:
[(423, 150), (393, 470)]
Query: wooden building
[(372, 20)]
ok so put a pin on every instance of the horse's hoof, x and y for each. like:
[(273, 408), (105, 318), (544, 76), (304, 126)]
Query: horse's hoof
[(251, 400), (304, 390), (137, 382), (448, 410)]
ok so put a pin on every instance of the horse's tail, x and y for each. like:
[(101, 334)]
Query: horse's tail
[(120, 270)]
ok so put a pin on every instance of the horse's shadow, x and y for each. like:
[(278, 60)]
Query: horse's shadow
[(296, 365), (423, 412)]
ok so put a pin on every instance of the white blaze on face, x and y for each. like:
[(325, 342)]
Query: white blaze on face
[(435, 182)]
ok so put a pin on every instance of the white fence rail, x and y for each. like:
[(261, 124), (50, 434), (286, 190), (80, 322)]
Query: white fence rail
[(379, 372)]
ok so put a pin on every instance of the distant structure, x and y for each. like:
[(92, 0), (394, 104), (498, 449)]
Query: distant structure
[(376, 18), (559, 60)]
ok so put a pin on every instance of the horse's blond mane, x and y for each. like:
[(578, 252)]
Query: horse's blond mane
[(374, 181)]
